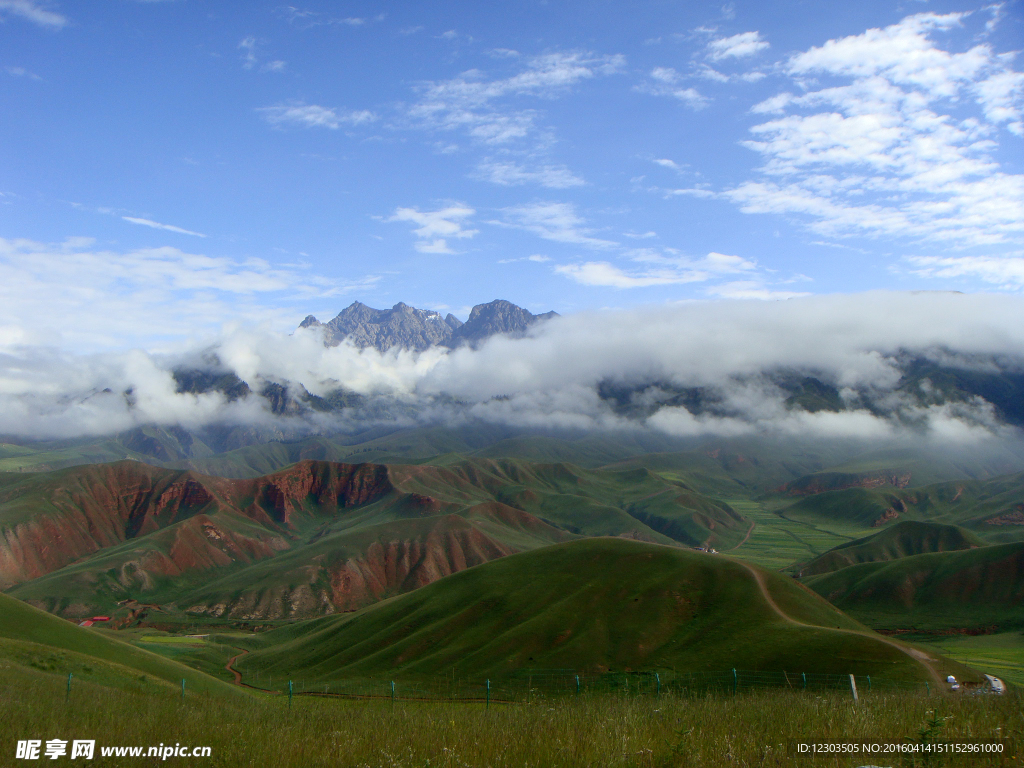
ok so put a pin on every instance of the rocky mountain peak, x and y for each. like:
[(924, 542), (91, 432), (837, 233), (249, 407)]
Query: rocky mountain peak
[(407, 327)]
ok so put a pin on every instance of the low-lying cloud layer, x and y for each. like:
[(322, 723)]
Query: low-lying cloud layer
[(690, 369)]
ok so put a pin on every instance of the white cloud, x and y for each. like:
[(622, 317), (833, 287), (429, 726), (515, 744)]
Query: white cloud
[(737, 46), (1007, 272), (305, 19), (656, 269), (554, 221), (21, 72), (513, 174), (437, 227), (158, 225), (31, 11), (470, 101), (665, 81), (314, 116), (692, 192), (883, 155), (274, 66), (752, 289), (666, 163), (82, 298), (248, 46), (538, 258)]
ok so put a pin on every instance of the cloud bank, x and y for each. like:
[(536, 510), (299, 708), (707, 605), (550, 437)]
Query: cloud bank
[(720, 368)]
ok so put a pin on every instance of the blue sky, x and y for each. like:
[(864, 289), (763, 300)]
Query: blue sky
[(169, 167)]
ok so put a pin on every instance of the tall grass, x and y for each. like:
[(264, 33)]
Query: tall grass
[(748, 729)]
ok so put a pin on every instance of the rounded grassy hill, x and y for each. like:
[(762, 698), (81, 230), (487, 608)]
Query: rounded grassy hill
[(592, 605)]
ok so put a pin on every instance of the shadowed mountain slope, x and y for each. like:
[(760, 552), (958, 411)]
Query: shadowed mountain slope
[(967, 588), (909, 537)]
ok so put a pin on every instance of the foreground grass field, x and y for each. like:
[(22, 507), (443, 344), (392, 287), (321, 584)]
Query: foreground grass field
[(608, 730)]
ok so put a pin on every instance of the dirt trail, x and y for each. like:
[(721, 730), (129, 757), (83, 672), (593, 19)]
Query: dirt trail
[(919, 656), (230, 667), (753, 525)]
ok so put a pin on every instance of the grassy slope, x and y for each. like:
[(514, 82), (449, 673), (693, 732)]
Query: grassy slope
[(975, 587), (909, 537), (967, 503), (29, 635), (589, 605)]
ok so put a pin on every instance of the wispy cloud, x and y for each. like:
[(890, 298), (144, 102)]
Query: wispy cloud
[(665, 81), (473, 102), (510, 174), (737, 46), (554, 221), (305, 19), (250, 59), (158, 225), (435, 228), (656, 268), (314, 116), (32, 11), (876, 156), (1006, 272), (21, 72), (248, 48), (88, 299)]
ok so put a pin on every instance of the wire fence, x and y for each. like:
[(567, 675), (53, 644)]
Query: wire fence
[(541, 684)]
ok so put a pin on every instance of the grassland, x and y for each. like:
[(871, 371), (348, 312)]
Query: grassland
[(777, 542), (591, 605), (611, 731), (33, 639), (1000, 654)]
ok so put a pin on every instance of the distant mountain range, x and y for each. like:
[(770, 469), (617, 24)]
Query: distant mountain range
[(419, 329)]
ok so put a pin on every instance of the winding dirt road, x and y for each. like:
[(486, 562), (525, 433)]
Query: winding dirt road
[(919, 656), (230, 667)]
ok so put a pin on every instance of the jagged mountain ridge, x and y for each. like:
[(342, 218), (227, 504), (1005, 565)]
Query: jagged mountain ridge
[(406, 327)]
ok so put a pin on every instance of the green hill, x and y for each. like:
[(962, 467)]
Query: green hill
[(909, 537), (992, 508), (591, 605), (36, 640), (969, 588)]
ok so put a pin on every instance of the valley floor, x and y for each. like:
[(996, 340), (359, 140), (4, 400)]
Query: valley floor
[(777, 542)]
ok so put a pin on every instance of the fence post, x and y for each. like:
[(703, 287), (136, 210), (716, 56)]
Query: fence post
[(488, 695), (68, 697), (577, 685), (657, 679), (392, 693), (853, 687), (804, 676), (290, 689), (183, 689), (735, 680), (869, 682), (928, 688)]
